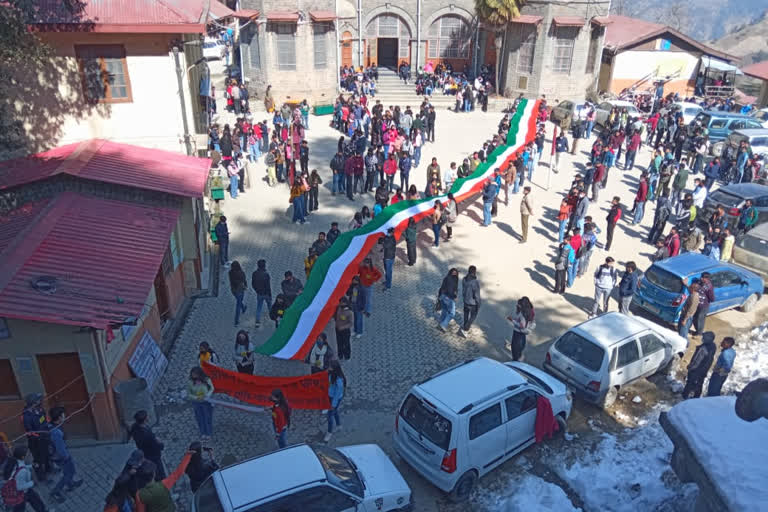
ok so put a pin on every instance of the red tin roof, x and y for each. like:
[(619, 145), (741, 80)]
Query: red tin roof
[(569, 21), (219, 10), (156, 16), (84, 261), (322, 15), (112, 162), (528, 19), (247, 13), (757, 70), (601, 21), (283, 16)]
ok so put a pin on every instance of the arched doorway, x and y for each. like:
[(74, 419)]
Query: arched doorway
[(448, 41), (388, 41), (346, 48)]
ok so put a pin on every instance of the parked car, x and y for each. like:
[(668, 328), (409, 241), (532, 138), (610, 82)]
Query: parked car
[(600, 356), (757, 138), (751, 250), (357, 478), (761, 115), (463, 422), (732, 198), (213, 49), (603, 110), (565, 107), (720, 124), (689, 110), (662, 293)]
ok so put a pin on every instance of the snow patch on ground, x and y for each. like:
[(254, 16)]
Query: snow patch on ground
[(625, 472), (726, 445), (751, 359), (528, 493)]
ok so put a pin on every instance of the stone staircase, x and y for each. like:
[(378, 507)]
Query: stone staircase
[(390, 90)]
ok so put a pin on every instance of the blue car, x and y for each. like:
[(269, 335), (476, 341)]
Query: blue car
[(661, 291)]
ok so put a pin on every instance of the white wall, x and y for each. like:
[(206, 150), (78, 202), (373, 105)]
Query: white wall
[(636, 64)]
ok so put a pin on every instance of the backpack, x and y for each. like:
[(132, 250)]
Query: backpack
[(11, 495), (562, 259)]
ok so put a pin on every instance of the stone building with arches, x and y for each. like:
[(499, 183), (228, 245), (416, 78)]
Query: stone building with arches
[(554, 48)]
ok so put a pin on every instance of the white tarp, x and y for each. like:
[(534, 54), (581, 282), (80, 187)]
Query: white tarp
[(720, 65)]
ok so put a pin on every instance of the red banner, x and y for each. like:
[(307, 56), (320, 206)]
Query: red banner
[(305, 392)]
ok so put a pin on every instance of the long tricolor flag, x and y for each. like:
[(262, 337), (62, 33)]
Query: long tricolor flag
[(332, 273)]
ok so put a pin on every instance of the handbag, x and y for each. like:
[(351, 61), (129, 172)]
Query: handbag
[(10, 493)]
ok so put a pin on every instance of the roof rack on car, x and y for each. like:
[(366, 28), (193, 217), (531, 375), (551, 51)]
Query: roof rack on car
[(469, 407), (447, 370)]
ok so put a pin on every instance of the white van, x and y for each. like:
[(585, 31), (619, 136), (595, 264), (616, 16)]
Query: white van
[(599, 356), (306, 478), (463, 422)]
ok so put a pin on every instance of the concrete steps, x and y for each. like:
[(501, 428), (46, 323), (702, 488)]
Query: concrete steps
[(390, 90)]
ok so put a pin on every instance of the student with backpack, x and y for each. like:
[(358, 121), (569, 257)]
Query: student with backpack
[(563, 261), (18, 489), (606, 277), (588, 242)]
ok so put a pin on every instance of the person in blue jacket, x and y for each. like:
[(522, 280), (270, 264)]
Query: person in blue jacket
[(62, 457), (627, 287), (337, 386), (712, 173), (722, 368)]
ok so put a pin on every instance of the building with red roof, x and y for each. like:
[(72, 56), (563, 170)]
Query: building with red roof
[(102, 245), (759, 71), (638, 53)]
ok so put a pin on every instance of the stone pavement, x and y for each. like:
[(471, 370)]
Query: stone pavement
[(401, 344)]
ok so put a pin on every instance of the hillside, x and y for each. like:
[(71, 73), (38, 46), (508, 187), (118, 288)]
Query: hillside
[(750, 42)]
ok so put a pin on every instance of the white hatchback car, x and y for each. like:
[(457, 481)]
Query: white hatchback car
[(213, 48), (306, 478), (603, 110), (460, 424), (599, 356)]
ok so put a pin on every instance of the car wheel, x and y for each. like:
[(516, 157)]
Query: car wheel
[(610, 397), (463, 487), (562, 426), (749, 304), (717, 148)]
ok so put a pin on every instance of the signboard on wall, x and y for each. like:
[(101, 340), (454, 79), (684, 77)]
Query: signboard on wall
[(148, 361)]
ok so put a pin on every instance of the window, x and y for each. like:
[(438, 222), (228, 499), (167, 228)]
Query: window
[(177, 252), (650, 343), (581, 351), (628, 353), (738, 124), (9, 390), (4, 331), (664, 279), (564, 40), (316, 499), (320, 31), (727, 278), (254, 51), (427, 422), (762, 201), (594, 44), (485, 421), (527, 34), (751, 123), (167, 263), (104, 73), (388, 25), (404, 48), (448, 38), (718, 123), (520, 403), (286, 46)]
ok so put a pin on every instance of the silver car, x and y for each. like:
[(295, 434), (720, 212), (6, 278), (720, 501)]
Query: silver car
[(751, 251)]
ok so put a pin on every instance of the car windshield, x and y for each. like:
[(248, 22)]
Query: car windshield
[(754, 244), (664, 279), (533, 380), (206, 498), (581, 350), (426, 421), (720, 196), (691, 111), (339, 470)]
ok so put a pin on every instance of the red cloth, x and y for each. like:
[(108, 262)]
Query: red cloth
[(369, 275), (546, 424)]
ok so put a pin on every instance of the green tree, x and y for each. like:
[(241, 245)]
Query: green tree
[(498, 14)]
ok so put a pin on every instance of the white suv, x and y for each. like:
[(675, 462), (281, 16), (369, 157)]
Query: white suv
[(599, 356), (463, 422), (308, 478)]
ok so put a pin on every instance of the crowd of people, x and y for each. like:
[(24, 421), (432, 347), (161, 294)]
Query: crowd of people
[(468, 93)]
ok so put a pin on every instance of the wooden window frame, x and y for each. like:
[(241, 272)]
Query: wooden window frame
[(564, 48), (281, 30), (526, 60), (320, 38), (119, 49)]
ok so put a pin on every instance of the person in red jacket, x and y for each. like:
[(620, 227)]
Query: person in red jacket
[(672, 242), (597, 181), (281, 416), (632, 146), (613, 218), (368, 275), (640, 198), (390, 168)]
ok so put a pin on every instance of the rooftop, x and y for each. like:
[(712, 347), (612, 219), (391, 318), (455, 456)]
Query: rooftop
[(688, 263), (470, 382), (610, 328), (757, 70), (112, 162), (276, 472), (80, 260)]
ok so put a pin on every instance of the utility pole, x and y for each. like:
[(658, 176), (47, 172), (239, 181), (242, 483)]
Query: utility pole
[(179, 71)]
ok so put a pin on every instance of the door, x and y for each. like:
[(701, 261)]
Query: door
[(161, 293), (64, 385), (487, 438), (761, 203), (387, 50), (654, 352), (601, 113), (628, 365), (346, 49), (521, 419), (728, 289)]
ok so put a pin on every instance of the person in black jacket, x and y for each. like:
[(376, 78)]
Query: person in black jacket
[(699, 366), (260, 281), (147, 442), (389, 243), (39, 441), (198, 470), (447, 294)]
